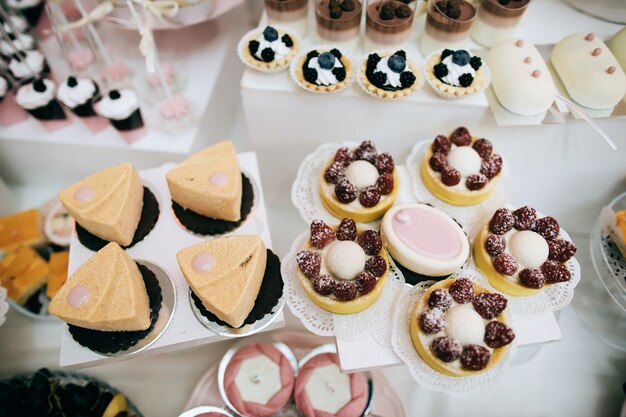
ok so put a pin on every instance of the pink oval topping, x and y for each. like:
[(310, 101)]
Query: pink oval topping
[(596, 52), (203, 262), (78, 296), (219, 179), (611, 70), (590, 37), (528, 60), (427, 233), (519, 43), (84, 194), (536, 73)]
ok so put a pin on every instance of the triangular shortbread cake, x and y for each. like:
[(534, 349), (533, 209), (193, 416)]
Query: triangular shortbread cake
[(105, 293), (209, 182), (108, 203), (226, 274)]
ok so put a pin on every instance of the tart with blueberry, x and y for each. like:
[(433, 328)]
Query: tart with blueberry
[(521, 251), (389, 75), (342, 269), (359, 183), (323, 71), (269, 50), (461, 169), (459, 328), (457, 73)]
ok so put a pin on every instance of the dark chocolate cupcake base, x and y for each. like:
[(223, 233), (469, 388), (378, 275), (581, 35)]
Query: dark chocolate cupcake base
[(51, 111), (413, 278), (115, 342), (207, 226), (147, 221), (132, 122)]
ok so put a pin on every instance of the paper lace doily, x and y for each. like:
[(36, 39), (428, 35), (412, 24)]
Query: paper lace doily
[(420, 371), (466, 215), (324, 323)]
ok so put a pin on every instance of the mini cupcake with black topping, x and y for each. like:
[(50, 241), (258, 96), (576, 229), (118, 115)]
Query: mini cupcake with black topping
[(454, 74), (15, 43), (30, 9), (323, 70), (270, 50), (78, 95), (27, 66), (38, 99), (121, 108), (389, 75)]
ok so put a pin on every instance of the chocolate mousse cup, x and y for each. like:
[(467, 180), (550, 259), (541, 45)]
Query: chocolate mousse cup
[(290, 14), (448, 24), (338, 22), (497, 20), (388, 24)]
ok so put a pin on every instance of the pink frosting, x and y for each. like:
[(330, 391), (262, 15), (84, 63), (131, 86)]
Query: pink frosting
[(115, 72), (219, 179), (426, 233), (176, 108), (84, 194), (80, 60), (78, 296), (358, 389), (203, 262), (277, 401), (168, 75)]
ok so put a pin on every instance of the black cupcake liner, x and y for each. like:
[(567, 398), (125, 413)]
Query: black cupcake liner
[(202, 225), (118, 341), (270, 292), (147, 221), (86, 109), (134, 121), (51, 111)]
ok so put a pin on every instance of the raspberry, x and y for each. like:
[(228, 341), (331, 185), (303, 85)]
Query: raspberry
[(345, 191), (376, 265), (461, 137), (339, 73), (501, 222), (267, 54), (438, 162), (370, 242), (365, 282), (446, 349), (475, 357), (309, 263), (334, 172), (345, 290), (547, 227), (532, 278), (384, 183), (491, 166), (384, 163), (489, 305), (525, 218), (370, 196), (324, 285), (346, 230), (495, 245), (253, 47), (505, 264), (366, 152), (476, 182), (441, 144), (440, 299), (450, 176), (344, 155), (561, 250), (483, 147), (431, 321), (498, 334), (321, 234), (462, 291), (555, 272)]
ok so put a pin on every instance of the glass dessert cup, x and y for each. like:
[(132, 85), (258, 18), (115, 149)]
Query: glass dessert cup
[(388, 24), (497, 22), (338, 27), (290, 14), (442, 31)]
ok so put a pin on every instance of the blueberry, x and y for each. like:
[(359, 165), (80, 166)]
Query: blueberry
[(270, 34), (396, 63), (326, 60), (461, 57)]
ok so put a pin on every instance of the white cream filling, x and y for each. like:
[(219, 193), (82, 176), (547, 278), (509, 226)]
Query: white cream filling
[(393, 78), (118, 109), (325, 76), (77, 95), (278, 46), (29, 99), (455, 71)]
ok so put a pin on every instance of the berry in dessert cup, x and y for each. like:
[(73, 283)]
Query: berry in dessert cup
[(78, 95), (269, 50), (338, 22), (461, 169), (38, 99), (290, 14), (175, 113), (388, 24), (322, 70), (342, 269), (448, 24), (121, 109), (521, 252), (389, 75), (16, 43), (454, 74), (27, 66), (497, 20), (459, 328), (30, 9), (359, 183)]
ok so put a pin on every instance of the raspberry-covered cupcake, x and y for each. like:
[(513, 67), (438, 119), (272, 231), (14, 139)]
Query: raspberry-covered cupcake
[(342, 269), (521, 251), (269, 50), (389, 75), (323, 70), (454, 74), (359, 183), (461, 169)]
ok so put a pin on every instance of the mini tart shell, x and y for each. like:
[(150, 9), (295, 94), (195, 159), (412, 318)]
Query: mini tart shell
[(274, 66), (462, 197), (332, 305), (424, 351), (359, 215), (481, 80), (299, 74), (370, 88)]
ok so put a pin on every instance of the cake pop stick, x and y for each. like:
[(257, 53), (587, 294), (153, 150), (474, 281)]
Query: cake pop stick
[(583, 115)]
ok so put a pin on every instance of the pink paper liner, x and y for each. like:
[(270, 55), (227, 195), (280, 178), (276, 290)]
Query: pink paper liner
[(95, 124), (10, 112), (54, 125)]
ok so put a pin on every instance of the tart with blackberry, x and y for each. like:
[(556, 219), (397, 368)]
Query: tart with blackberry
[(521, 251), (459, 328), (389, 75), (270, 50), (454, 74), (323, 70), (461, 169), (359, 183), (342, 269)]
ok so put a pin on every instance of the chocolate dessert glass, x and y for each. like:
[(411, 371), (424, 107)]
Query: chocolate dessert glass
[(388, 24), (497, 20), (291, 14), (338, 22), (448, 24)]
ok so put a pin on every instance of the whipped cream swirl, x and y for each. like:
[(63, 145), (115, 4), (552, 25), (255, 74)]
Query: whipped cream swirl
[(324, 76), (29, 98), (455, 71), (22, 42), (118, 108), (393, 78), (77, 94), (24, 67), (278, 46)]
